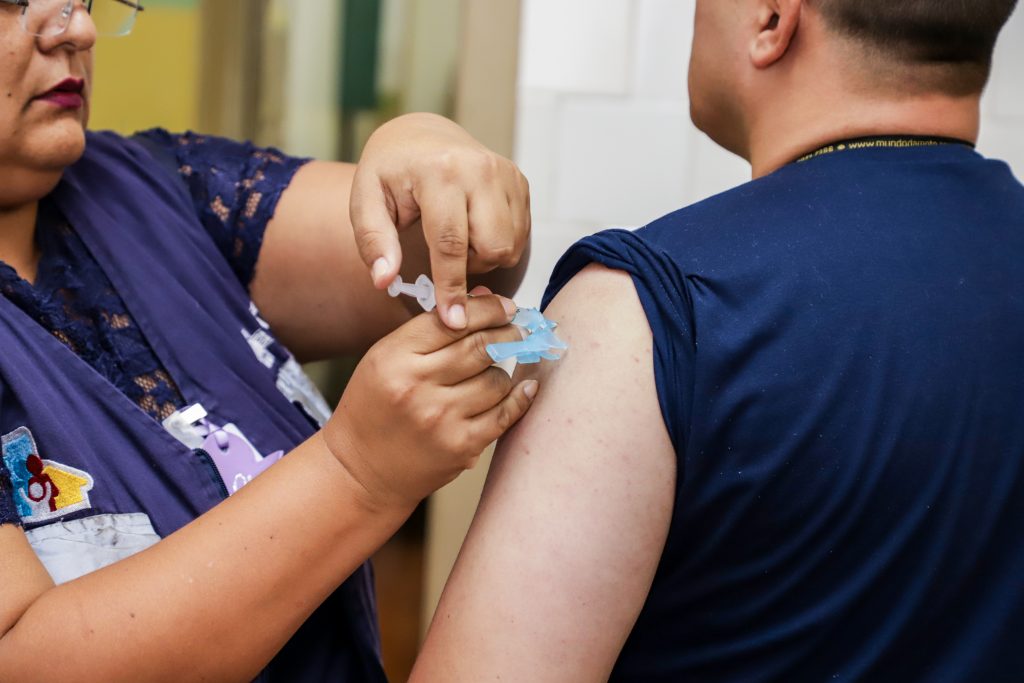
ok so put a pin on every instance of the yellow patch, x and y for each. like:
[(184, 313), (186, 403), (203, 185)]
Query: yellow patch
[(71, 486)]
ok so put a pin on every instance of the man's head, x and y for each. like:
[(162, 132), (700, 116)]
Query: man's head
[(949, 41), (748, 54)]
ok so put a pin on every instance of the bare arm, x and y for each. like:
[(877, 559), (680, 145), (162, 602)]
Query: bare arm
[(571, 525), (217, 599), (214, 601), (422, 179), (310, 283)]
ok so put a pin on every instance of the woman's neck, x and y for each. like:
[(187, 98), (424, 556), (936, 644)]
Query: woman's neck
[(18, 247)]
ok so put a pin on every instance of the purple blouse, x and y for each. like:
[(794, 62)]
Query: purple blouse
[(235, 188)]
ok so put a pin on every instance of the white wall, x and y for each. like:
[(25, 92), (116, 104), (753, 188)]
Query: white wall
[(1002, 128), (603, 128)]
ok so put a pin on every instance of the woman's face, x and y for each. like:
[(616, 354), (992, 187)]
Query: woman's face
[(45, 83)]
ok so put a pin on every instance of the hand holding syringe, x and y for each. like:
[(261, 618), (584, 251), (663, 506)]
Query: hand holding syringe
[(541, 342)]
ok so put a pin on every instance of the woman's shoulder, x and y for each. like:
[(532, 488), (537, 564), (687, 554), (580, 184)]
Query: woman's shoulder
[(105, 147), (107, 140)]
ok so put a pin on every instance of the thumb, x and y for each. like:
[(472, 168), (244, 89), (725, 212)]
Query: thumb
[(373, 226)]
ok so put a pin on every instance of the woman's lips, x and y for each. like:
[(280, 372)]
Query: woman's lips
[(65, 100), (67, 94)]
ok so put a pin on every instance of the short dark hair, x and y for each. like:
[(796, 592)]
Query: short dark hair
[(956, 36)]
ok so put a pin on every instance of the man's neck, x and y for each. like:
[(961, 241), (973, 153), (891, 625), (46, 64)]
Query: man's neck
[(17, 239), (802, 125)]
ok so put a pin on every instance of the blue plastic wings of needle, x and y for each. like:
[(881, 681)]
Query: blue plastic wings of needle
[(542, 343)]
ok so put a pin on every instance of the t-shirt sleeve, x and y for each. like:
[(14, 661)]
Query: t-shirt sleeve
[(664, 293), (235, 188)]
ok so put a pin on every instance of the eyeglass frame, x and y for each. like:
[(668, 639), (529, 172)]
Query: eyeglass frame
[(24, 5)]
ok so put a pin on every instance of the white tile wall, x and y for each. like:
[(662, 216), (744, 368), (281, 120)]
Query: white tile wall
[(536, 143), (577, 45), (620, 162), (664, 31), (604, 132), (1002, 125), (551, 240), (1005, 98), (712, 169)]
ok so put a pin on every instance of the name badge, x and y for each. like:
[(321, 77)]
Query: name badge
[(236, 459)]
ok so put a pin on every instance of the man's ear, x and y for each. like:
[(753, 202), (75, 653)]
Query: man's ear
[(777, 22)]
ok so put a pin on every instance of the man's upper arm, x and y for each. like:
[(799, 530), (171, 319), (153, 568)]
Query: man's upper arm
[(572, 522)]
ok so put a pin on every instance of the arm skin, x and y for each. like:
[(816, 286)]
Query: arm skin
[(216, 600), (574, 517), (310, 283), (162, 614), (313, 286)]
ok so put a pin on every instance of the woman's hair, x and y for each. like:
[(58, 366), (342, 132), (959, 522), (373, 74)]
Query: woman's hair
[(954, 39)]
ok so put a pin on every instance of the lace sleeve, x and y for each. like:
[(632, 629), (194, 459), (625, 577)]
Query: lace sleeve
[(235, 188)]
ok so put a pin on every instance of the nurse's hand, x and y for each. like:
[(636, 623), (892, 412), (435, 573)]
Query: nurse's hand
[(474, 205), (425, 402)]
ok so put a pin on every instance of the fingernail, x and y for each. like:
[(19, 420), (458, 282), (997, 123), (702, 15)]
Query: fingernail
[(509, 306), (530, 388), (380, 269), (457, 316)]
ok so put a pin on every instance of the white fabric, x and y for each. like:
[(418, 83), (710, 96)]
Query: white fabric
[(70, 550)]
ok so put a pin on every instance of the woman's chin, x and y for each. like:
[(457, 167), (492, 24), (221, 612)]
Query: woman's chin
[(61, 145)]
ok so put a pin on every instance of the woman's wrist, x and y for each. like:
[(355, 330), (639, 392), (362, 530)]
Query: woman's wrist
[(335, 442)]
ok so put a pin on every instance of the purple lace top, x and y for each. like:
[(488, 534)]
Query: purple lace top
[(235, 188)]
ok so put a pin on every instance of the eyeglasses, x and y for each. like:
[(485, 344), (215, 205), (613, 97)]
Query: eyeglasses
[(46, 18)]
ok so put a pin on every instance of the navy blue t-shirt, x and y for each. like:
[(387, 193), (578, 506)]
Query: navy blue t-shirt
[(839, 357)]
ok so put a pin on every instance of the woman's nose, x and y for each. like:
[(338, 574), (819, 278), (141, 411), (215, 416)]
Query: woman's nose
[(80, 33)]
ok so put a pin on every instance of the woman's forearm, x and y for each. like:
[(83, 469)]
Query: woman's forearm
[(217, 599)]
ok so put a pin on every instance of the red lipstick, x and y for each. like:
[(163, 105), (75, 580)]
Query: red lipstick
[(67, 94)]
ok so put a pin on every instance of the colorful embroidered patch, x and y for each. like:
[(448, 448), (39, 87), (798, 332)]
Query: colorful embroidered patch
[(43, 489)]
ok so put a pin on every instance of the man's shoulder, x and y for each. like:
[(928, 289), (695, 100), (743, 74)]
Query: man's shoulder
[(731, 212), (689, 241)]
